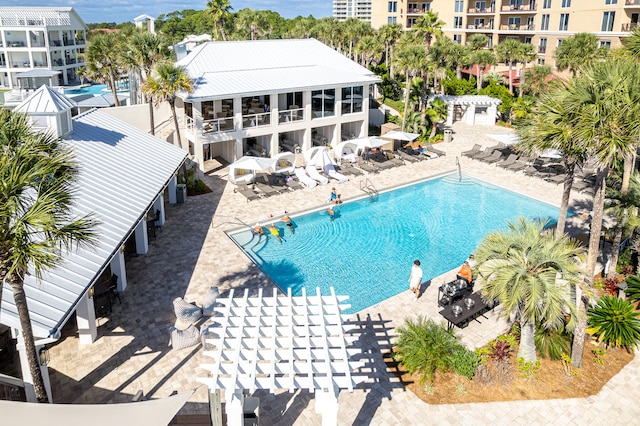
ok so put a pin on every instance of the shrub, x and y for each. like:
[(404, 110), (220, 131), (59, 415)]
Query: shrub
[(614, 322), (464, 362), (528, 369), (633, 288), (598, 355), (552, 342), (425, 347)]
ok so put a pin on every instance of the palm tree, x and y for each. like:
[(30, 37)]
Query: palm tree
[(436, 112), (519, 267), (302, 27), (577, 51), (552, 126), (605, 101), (624, 207), (252, 21), (354, 30), (536, 79), (631, 43), (416, 122), (219, 10), (477, 41), (82, 72), (146, 49), (368, 48), (409, 59), (165, 85), (104, 60), (37, 172), (428, 25), (509, 51), (482, 58), (526, 55), (390, 34)]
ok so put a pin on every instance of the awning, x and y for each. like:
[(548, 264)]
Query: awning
[(154, 412), (38, 73)]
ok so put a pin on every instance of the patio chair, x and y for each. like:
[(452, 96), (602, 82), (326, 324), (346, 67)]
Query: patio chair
[(477, 148), (520, 164), (346, 167), (431, 148), (367, 167), (557, 179), (407, 157), (304, 178), (181, 339), (482, 154), (315, 175), (185, 311), (382, 161), (512, 158), (247, 192), (330, 170), (294, 184), (495, 156), (267, 190)]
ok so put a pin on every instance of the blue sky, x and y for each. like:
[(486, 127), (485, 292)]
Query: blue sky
[(92, 11)]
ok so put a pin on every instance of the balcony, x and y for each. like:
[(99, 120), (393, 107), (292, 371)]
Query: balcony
[(523, 8), (480, 27), (256, 120), (632, 4), (416, 11), (542, 49), (68, 42), (485, 11), (205, 127), (16, 43), (55, 42), (629, 26), (293, 114), (514, 27)]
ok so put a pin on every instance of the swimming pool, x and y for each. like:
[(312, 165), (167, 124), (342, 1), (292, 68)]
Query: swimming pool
[(94, 89), (367, 251)]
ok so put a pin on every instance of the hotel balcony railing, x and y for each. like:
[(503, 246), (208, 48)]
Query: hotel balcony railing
[(485, 10), (480, 27), (632, 3), (68, 42), (542, 49), (629, 26), (16, 44), (416, 11), (71, 61), (80, 41), (514, 27), (215, 125), (256, 120), (287, 116), (520, 8), (55, 42)]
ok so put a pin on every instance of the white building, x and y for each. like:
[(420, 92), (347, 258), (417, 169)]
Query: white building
[(314, 96), (52, 38), (359, 9)]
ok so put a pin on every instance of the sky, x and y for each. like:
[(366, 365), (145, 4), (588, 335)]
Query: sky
[(118, 11)]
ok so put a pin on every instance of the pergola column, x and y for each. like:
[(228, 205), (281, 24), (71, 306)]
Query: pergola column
[(142, 239), (86, 319), (158, 205), (172, 188), (235, 414), (450, 108), (327, 405), (118, 268)]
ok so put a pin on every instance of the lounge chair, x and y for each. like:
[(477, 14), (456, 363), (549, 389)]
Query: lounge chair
[(431, 148), (382, 161), (520, 164), (346, 167), (265, 188), (315, 175), (294, 184), (557, 179), (512, 158), (407, 157), (477, 148), (367, 167), (331, 171), (247, 192), (304, 178), (495, 156)]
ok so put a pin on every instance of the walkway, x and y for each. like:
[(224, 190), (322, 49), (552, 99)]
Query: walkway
[(192, 253)]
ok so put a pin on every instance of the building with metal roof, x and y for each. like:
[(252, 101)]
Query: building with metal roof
[(124, 173), (50, 38), (265, 97)]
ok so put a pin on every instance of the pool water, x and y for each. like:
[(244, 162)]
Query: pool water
[(94, 89), (367, 251)]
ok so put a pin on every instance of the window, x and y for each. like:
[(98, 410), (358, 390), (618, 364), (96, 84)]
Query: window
[(544, 25), (323, 103), (426, 7), (605, 44), (351, 99), (514, 23), (607, 21), (481, 6), (566, 3), (546, 4), (542, 47), (457, 38), (610, 1), (560, 41), (540, 61), (527, 40), (392, 20), (392, 7), (564, 22), (459, 6), (457, 22)]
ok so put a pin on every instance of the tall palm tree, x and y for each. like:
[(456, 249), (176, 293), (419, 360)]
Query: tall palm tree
[(509, 51), (624, 206), (37, 174), (631, 43), (436, 113), (519, 267), (428, 26), (104, 60), (354, 30), (552, 126), (526, 55), (606, 102), (536, 80), (146, 49), (416, 122), (409, 59), (219, 10), (369, 48), (577, 51), (302, 27), (252, 21), (167, 82), (482, 58), (477, 41), (390, 34)]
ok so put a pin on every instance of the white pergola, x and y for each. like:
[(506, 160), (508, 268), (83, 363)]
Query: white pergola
[(282, 342)]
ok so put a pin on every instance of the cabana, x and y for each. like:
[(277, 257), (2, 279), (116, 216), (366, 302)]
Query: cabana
[(347, 151), (318, 156), (285, 162), (244, 170)]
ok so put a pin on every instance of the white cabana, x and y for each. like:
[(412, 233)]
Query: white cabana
[(246, 167), (318, 156), (347, 151), (282, 342), (285, 162)]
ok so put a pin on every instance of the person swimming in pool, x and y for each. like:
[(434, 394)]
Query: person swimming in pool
[(274, 231), (332, 214), (287, 221), (257, 230)]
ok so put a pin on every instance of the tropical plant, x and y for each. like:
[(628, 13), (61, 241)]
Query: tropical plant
[(409, 60), (526, 54), (428, 26), (219, 10), (533, 274), (167, 82), (509, 51), (416, 122), (528, 369), (481, 58), (390, 34), (624, 207), (369, 48), (105, 61), (464, 362), (577, 51), (633, 288), (535, 80), (552, 342), (631, 43), (252, 22), (424, 347), (37, 227), (82, 72), (615, 322), (436, 113)]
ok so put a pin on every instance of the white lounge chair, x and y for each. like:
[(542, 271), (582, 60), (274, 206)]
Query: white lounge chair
[(333, 173), (314, 174), (304, 178)]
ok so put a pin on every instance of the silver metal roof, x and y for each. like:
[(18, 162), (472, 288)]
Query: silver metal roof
[(234, 68), (100, 101), (45, 100), (38, 73), (122, 171), (37, 16)]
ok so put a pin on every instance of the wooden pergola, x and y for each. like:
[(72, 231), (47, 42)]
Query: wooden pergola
[(282, 342)]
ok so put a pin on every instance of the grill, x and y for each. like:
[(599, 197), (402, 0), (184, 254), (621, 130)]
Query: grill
[(452, 291)]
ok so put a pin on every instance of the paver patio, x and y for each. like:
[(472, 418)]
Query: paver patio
[(192, 253)]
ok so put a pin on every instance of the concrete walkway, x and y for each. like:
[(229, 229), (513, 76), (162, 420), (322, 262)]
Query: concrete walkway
[(193, 253)]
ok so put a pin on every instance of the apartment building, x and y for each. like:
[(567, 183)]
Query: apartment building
[(359, 9), (543, 23), (52, 38)]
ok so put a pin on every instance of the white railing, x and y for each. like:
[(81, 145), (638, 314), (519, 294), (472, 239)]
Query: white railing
[(256, 120), (289, 115)]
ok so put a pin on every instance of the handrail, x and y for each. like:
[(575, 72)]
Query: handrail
[(237, 222), (459, 168), (368, 187)]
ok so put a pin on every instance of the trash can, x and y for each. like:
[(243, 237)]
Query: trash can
[(448, 136), (251, 411), (181, 193)]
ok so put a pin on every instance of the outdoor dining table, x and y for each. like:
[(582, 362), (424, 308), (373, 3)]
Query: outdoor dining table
[(468, 314)]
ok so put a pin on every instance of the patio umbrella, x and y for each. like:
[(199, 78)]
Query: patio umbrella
[(254, 164), (400, 136), (370, 142)]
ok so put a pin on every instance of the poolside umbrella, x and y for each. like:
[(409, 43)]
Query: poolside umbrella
[(370, 142), (400, 136), (253, 163)]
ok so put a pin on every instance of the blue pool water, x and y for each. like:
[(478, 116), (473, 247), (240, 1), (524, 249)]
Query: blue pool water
[(367, 251), (95, 89)]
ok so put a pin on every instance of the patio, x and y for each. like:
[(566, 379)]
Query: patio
[(192, 253)]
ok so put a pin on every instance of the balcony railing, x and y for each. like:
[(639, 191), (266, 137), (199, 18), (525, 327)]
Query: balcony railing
[(16, 44), (256, 120), (514, 27), (632, 3), (71, 61), (204, 127), (520, 8), (55, 42), (480, 27), (416, 11), (291, 115), (542, 49), (629, 26), (68, 42), (485, 10)]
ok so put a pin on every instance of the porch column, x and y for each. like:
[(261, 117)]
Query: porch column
[(142, 239), (171, 188), (26, 373), (471, 115), (365, 108), (118, 267), (238, 149), (327, 406), (450, 108), (86, 319), (235, 415), (273, 144), (158, 205)]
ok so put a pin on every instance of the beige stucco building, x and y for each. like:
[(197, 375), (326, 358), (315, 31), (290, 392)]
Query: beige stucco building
[(544, 23)]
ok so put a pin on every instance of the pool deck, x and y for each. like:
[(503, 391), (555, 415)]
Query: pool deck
[(192, 253)]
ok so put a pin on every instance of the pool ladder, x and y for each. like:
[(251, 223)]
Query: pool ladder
[(367, 186)]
